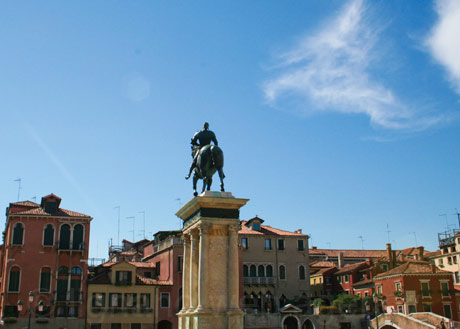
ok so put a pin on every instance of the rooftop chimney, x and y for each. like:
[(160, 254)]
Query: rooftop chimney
[(421, 252), (341, 260)]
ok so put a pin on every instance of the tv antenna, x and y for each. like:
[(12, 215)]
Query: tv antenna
[(118, 236), (143, 214), (19, 186), (362, 241), (415, 237), (388, 233), (447, 222), (458, 217), (134, 222)]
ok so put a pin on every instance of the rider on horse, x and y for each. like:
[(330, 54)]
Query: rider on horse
[(204, 137)]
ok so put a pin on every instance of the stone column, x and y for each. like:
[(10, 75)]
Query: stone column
[(202, 293), (186, 273), (233, 268), (194, 271)]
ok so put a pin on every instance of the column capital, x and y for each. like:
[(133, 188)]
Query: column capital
[(194, 235), (234, 228), (204, 228), (185, 238)]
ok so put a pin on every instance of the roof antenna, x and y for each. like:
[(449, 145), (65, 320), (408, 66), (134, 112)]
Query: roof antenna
[(415, 237), (447, 222), (388, 233), (362, 241), (134, 222), (34, 198), (19, 186), (143, 214)]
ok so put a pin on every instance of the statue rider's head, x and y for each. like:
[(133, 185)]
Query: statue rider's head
[(206, 126)]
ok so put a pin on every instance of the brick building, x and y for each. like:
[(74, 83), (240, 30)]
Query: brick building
[(417, 286), (44, 256)]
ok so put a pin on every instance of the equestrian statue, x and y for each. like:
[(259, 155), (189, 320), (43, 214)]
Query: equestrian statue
[(207, 159)]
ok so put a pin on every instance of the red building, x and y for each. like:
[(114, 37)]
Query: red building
[(350, 275), (166, 252), (417, 286), (44, 256)]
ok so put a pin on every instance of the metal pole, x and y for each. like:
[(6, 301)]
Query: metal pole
[(30, 314)]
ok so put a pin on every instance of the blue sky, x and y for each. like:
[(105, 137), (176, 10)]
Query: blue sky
[(337, 117)]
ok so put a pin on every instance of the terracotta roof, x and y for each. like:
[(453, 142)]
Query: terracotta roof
[(267, 230), (322, 271), (352, 267), (413, 267), (25, 204), (59, 213), (349, 253), (102, 278), (143, 264), (151, 282), (322, 263), (430, 254), (363, 282)]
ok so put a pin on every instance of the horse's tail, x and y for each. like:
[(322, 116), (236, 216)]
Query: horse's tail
[(217, 157)]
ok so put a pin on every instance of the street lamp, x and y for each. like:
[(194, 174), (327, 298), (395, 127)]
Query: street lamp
[(29, 310)]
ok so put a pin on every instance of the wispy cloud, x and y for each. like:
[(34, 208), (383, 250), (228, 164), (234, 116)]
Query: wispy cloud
[(444, 41), (330, 70)]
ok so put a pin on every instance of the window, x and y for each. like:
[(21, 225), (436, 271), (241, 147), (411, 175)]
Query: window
[(244, 243), (13, 283), (96, 326), (75, 284), (379, 290), (261, 271), (339, 279), (398, 286), (314, 281), (77, 241), (164, 300), (130, 300), (179, 263), (425, 289), (447, 311), (327, 280), (144, 301), (45, 279), (426, 308), (400, 309), (62, 283), (280, 244), (98, 299), (449, 260), (385, 267), (366, 294), (252, 271), (115, 300), (454, 259), (300, 246), (301, 272), (452, 249), (412, 309), (157, 269), (347, 278), (269, 271), (245, 271), (115, 326), (457, 277), (18, 234), (441, 262), (51, 207), (268, 244), (48, 235), (282, 273), (123, 278), (135, 326), (445, 289), (64, 237), (73, 311), (256, 226)]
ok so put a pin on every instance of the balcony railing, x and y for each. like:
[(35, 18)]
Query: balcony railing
[(70, 296), (256, 281)]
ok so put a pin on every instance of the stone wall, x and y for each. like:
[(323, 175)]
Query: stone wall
[(398, 321)]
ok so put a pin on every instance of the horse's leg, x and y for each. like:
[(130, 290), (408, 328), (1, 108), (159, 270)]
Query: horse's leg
[(221, 176), (209, 183), (205, 180), (195, 180)]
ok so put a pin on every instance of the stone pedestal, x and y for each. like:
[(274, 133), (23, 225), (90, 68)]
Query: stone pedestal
[(211, 269)]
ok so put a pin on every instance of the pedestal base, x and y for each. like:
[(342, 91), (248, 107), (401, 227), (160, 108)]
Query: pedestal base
[(211, 320)]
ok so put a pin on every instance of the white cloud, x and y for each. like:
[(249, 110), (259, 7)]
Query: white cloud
[(330, 70), (444, 40)]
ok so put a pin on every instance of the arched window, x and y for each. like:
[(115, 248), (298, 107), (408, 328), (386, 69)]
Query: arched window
[(253, 271), (13, 283), (301, 272), (64, 237), (75, 284), (77, 241), (282, 273), (18, 234), (62, 283), (261, 271), (45, 279), (269, 271), (245, 271), (48, 235)]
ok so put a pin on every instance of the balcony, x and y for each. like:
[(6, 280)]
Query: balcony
[(72, 296), (259, 281)]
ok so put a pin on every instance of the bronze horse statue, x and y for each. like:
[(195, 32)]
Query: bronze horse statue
[(210, 159)]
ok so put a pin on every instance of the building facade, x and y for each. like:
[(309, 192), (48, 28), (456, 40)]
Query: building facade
[(275, 267), (44, 263)]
